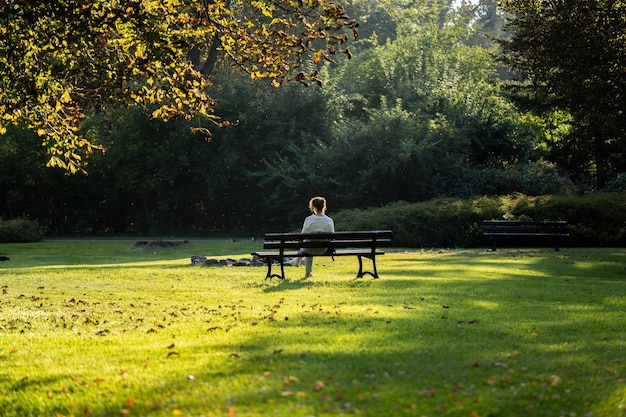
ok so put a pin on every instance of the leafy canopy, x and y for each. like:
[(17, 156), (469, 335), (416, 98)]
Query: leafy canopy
[(61, 59), (571, 55)]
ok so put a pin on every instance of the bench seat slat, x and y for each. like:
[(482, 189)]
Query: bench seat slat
[(293, 254)]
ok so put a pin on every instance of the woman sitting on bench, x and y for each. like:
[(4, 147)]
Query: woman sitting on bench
[(318, 222)]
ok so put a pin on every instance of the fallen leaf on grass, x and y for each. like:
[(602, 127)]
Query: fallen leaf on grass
[(428, 392), (290, 380), (554, 380), (99, 380), (318, 386), (512, 354)]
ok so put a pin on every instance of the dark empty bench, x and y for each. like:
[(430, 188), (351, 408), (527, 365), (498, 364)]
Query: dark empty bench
[(362, 244), (553, 231)]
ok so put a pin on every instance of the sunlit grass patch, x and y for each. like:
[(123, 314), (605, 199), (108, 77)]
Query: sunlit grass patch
[(440, 333)]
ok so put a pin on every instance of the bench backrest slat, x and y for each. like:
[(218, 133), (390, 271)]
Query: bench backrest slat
[(358, 239), (513, 226)]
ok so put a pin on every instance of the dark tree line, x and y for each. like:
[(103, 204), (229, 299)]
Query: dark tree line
[(420, 111)]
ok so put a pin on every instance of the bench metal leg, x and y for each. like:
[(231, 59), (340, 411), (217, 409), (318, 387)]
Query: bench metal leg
[(361, 273), (269, 274)]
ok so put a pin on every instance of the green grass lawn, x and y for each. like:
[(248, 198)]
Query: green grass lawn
[(106, 329)]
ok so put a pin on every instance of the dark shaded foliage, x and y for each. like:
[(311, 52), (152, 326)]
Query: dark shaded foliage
[(19, 231), (597, 219)]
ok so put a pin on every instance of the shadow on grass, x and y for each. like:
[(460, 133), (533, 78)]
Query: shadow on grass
[(465, 334), (289, 285), (375, 362)]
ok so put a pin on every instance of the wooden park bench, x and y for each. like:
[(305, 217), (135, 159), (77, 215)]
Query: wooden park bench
[(362, 244), (554, 231)]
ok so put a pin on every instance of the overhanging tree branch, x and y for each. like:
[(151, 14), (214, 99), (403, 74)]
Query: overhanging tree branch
[(64, 58)]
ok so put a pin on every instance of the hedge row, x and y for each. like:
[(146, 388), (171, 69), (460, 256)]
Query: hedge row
[(19, 230), (597, 219)]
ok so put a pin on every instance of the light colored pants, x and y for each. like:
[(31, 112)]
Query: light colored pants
[(309, 259)]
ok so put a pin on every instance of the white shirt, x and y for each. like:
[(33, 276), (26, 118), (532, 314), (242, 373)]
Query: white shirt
[(318, 224)]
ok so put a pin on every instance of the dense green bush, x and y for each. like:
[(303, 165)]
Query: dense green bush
[(597, 219), (618, 184), (534, 178), (19, 230)]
